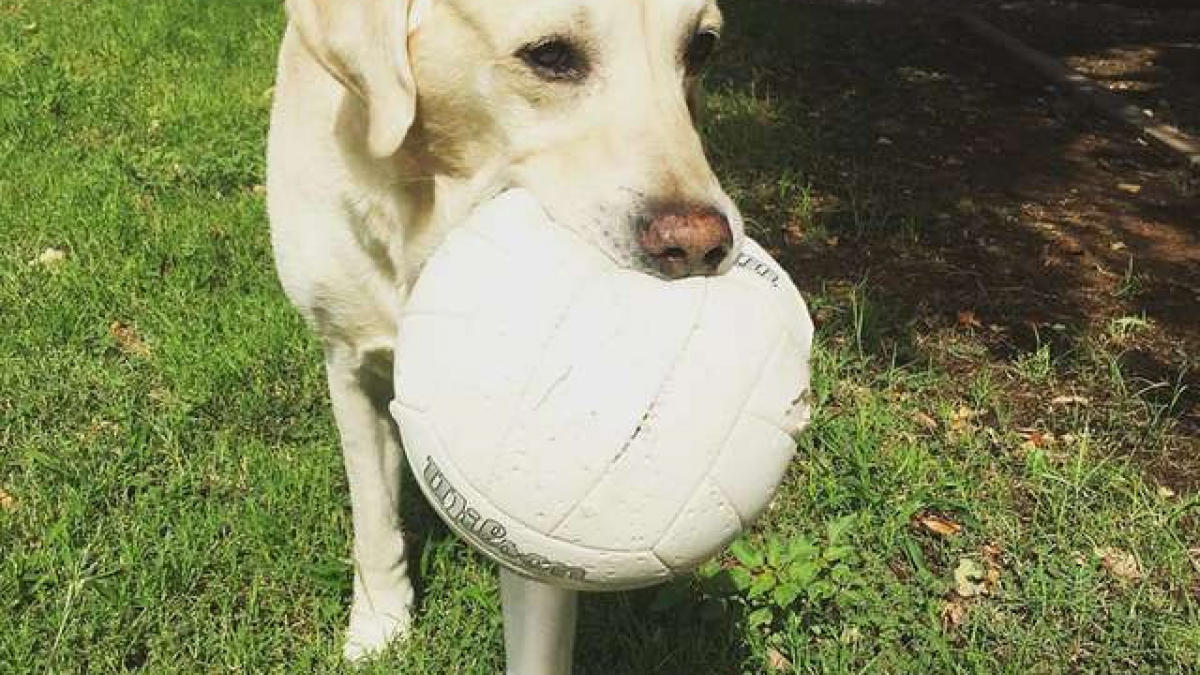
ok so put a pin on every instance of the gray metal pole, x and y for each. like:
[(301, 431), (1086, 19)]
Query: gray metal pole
[(539, 626)]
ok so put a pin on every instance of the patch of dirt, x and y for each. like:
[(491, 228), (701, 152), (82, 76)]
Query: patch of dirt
[(955, 181)]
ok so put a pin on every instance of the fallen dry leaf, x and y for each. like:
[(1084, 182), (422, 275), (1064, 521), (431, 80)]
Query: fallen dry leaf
[(793, 232), (1166, 492), (925, 421), (777, 661), (51, 257), (960, 421), (841, 290), (101, 428), (1119, 563), (939, 525), (1070, 400), (128, 339), (1070, 246), (968, 319), (991, 577), (7, 501), (954, 613), (1036, 439)]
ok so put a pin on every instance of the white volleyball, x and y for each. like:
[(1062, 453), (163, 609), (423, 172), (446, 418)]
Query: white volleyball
[(588, 425)]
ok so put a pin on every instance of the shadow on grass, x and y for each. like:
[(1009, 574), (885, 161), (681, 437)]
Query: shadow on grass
[(891, 153), (1147, 48), (622, 634)]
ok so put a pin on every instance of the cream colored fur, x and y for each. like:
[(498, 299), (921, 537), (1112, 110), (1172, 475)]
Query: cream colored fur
[(387, 131)]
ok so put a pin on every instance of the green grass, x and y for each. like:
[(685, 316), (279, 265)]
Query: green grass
[(177, 502)]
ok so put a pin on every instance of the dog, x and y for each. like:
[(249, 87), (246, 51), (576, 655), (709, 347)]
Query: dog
[(392, 120)]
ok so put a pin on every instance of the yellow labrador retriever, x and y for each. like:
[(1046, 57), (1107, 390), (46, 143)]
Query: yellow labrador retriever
[(393, 119)]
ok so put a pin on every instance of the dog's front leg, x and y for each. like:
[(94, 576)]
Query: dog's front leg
[(539, 626), (360, 388)]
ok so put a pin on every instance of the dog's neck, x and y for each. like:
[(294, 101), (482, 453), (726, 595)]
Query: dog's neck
[(405, 204)]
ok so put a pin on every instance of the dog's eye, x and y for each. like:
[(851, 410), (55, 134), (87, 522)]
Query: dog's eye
[(554, 59), (699, 50)]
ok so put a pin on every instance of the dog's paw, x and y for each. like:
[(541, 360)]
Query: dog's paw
[(380, 615)]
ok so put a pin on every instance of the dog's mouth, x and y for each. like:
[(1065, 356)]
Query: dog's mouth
[(670, 240)]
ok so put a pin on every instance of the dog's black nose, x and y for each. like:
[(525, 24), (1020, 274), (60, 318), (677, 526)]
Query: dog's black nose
[(686, 240)]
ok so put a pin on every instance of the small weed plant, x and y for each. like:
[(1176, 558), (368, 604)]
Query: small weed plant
[(775, 584)]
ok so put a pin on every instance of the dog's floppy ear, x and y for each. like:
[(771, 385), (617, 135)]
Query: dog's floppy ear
[(364, 44)]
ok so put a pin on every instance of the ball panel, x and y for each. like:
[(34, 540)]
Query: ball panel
[(680, 438), (494, 265), (705, 526), (755, 266), (516, 223), (431, 340), (442, 290), (599, 375), (780, 390), (505, 541), (484, 388), (752, 464)]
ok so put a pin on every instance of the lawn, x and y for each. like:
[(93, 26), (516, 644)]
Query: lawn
[(978, 492)]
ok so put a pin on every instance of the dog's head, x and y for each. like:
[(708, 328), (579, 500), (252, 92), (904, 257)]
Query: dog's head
[(589, 104)]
